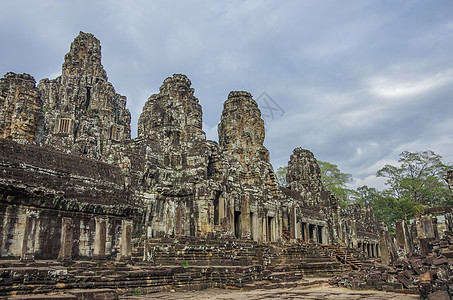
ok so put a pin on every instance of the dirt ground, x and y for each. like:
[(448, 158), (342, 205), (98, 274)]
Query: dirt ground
[(323, 291)]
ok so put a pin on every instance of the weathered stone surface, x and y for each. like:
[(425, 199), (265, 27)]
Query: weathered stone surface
[(439, 295), (82, 111), (173, 120), (304, 176), (21, 105), (247, 171), (241, 138)]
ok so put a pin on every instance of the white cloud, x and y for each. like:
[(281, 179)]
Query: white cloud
[(400, 87)]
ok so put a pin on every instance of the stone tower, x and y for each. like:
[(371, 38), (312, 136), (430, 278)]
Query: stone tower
[(82, 111), (241, 137), (247, 169), (172, 121), (304, 176), (20, 107)]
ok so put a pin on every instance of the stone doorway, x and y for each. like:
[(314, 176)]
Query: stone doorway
[(270, 229), (237, 224)]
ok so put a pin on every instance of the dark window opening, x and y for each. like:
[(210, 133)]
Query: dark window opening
[(303, 231), (237, 224), (320, 234), (270, 231), (311, 229), (216, 209), (88, 101)]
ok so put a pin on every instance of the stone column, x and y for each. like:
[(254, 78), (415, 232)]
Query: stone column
[(404, 238), (419, 227), (316, 233), (292, 224), (126, 239), (66, 239), (245, 217), (306, 232), (263, 229), (28, 243), (435, 229), (100, 238), (355, 244)]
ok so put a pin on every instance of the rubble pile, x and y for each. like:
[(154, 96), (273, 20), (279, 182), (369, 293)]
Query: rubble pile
[(424, 274)]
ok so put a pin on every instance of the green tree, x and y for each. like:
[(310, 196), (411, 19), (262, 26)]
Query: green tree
[(336, 182), (365, 195), (419, 178), (281, 175)]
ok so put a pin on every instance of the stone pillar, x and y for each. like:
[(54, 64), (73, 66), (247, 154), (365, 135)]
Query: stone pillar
[(435, 229), (316, 233), (264, 229), (221, 208), (126, 239), (100, 238), (306, 232), (245, 217), (403, 238), (66, 239), (28, 243), (355, 244), (419, 227), (254, 226), (292, 223), (428, 227)]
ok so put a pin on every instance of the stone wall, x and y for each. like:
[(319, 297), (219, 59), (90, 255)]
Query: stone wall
[(40, 187)]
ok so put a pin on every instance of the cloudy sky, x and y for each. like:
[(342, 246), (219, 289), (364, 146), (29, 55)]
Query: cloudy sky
[(356, 82)]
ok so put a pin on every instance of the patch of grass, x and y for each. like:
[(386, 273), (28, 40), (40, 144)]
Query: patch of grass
[(185, 264), (137, 293)]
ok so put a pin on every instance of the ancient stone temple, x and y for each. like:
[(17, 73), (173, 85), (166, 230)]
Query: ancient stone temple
[(74, 186)]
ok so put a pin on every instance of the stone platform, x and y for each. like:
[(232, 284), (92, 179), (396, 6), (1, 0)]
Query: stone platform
[(184, 264)]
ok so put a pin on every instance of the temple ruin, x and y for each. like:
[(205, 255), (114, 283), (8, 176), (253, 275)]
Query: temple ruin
[(77, 190)]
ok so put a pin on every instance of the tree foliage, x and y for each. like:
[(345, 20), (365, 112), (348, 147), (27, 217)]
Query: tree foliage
[(281, 175), (365, 195), (419, 178), (336, 182)]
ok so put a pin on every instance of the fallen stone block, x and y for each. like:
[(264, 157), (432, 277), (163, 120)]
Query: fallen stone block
[(405, 281), (427, 277), (439, 295), (95, 294), (440, 261)]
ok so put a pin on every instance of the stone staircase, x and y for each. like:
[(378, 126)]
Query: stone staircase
[(346, 256), (308, 258), (186, 264)]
